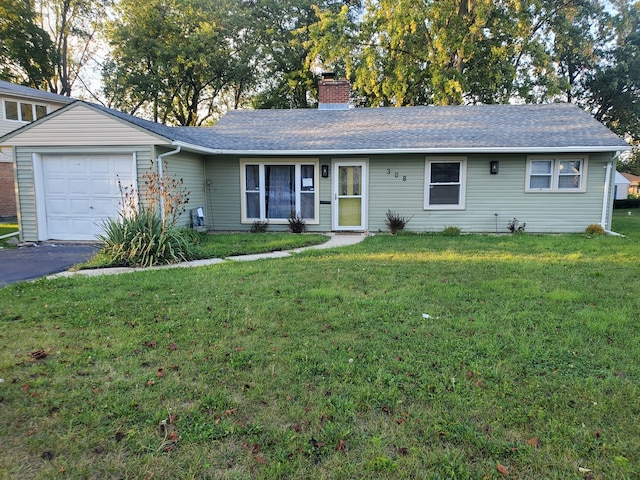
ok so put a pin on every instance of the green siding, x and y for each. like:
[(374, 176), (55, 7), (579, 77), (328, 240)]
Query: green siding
[(486, 195), (26, 185), (190, 168), (223, 191)]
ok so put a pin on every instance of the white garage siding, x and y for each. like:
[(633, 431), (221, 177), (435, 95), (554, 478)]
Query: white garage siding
[(37, 217), (80, 192)]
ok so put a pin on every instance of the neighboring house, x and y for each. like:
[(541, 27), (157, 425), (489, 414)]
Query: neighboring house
[(474, 167), (18, 106), (622, 187), (634, 183)]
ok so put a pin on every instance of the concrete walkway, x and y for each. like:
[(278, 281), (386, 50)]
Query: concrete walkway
[(335, 240)]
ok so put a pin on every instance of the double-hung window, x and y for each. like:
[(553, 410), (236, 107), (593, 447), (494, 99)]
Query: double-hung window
[(556, 174), (445, 183), (23, 111), (275, 190)]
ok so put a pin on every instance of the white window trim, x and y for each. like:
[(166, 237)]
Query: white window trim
[(262, 162), (555, 173), (463, 182), (20, 103)]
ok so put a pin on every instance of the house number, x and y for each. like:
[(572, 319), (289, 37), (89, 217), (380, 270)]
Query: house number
[(397, 175)]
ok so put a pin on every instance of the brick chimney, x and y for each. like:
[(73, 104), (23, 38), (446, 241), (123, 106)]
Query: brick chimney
[(333, 94)]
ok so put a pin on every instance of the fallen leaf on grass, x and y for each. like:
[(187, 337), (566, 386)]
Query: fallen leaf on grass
[(534, 442), (38, 354), (151, 344), (160, 372), (260, 459), (340, 446), (503, 470), (403, 451), (173, 346), (150, 383), (583, 470)]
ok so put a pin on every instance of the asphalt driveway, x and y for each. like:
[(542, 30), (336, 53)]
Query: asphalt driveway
[(30, 263)]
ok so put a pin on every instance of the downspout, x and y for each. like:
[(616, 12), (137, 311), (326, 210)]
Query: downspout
[(160, 173), (605, 200)]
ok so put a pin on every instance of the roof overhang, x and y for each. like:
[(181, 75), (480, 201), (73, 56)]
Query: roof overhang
[(397, 151)]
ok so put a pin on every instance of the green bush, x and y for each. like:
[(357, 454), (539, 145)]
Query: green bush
[(451, 231), (139, 240), (627, 203), (594, 229), (259, 226)]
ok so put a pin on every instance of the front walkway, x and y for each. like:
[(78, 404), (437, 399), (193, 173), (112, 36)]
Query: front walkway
[(335, 240)]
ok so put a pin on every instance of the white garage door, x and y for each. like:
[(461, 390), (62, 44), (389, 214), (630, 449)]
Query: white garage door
[(81, 191)]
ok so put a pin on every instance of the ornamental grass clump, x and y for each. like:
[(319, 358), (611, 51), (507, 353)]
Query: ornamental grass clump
[(396, 222), (145, 234), (594, 229)]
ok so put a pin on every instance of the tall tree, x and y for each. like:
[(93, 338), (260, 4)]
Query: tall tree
[(173, 60), (402, 52), (282, 38), (612, 90), (74, 27), (25, 48)]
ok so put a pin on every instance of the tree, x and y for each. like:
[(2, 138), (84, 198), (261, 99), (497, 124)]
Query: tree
[(175, 60), (402, 52), (25, 48), (282, 39), (73, 27)]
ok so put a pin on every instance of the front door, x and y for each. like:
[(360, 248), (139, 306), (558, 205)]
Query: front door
[(350, 195)]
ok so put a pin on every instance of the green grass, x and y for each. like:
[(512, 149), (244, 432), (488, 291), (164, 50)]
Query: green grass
[(323, 365), (6, 228), (230, 244)]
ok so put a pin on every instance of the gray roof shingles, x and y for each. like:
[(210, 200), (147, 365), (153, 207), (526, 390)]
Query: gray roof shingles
[(7, 88), (430, 129), (411, 128)]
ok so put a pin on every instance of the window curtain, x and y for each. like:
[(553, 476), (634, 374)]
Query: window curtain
[(280, 190)]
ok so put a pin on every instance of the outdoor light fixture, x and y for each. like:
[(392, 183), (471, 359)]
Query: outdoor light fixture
[(325, 171), (494, 165)]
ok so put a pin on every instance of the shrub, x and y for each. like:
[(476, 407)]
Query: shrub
[(514, 226), (451, 231), (396, 222), (145, 232), (139, 240), (296, 223), (594, 229), (627, 203), (259, 226)]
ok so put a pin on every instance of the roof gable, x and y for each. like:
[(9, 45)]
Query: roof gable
[(83, 123)]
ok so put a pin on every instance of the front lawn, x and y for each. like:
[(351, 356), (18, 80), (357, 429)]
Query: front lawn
[(411, 356), (222, 245)]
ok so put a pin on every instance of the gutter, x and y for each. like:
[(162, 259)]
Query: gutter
[(159, 159), (398, 151), (605, 199)]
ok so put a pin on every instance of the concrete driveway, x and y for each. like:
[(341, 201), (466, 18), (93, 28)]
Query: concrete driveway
[(29, 263)]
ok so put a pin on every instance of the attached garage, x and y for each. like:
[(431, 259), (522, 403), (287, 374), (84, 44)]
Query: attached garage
[(80, 192)]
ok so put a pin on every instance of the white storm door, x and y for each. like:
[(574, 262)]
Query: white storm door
[(350, 195), (81, 192)]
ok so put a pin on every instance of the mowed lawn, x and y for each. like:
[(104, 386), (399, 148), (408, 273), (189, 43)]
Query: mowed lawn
[(409, 356)]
